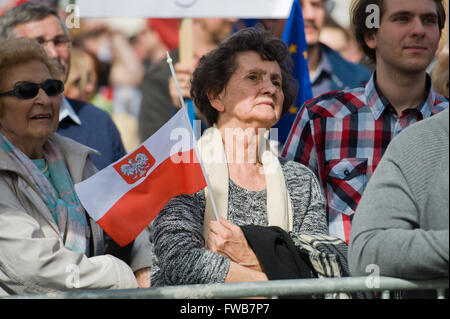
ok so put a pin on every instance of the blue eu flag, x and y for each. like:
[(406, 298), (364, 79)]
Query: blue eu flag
[(294, 37)]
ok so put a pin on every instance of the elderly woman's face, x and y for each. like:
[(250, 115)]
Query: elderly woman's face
[(253, 97), (28, 121), (82, 82)]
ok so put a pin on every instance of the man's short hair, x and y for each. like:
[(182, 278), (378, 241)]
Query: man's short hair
[(358, 15), (28, 12)]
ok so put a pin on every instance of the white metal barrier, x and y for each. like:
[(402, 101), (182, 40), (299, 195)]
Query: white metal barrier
[(275, 288)]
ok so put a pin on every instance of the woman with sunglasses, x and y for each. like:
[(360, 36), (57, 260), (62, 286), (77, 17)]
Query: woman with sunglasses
[(47, 241)]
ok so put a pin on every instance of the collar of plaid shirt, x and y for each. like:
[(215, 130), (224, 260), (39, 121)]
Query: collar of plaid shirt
[(378, 103), (342, 136)]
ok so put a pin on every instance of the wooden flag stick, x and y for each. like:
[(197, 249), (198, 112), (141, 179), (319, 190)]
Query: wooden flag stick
[(186, 40)]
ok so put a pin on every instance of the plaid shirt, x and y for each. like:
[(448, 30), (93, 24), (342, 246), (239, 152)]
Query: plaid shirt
[(342, 135)]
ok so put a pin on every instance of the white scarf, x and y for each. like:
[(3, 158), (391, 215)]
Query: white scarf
[(279, 207)]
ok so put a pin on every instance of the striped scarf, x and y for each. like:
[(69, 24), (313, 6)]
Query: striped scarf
[(60, 198), (328, 258)]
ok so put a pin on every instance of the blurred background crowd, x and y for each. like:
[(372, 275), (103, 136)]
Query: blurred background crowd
[(111, 58)]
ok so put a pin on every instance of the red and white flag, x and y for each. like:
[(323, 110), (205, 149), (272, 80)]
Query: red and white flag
[(126, 196)]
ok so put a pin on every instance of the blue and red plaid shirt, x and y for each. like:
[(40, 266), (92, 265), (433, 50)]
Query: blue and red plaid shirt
[(342, 135)]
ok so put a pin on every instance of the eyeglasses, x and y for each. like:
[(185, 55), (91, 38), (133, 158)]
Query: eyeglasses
[(29, 90)]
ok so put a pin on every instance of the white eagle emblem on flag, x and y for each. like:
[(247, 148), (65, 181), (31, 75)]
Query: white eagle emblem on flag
[(137, 167)]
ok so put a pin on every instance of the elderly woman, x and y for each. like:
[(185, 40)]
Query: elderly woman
[(242, 88), (47, 241)]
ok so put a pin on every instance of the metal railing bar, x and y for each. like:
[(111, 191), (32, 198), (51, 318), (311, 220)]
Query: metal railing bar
[(386, 294), (441, 293), (250, 289)]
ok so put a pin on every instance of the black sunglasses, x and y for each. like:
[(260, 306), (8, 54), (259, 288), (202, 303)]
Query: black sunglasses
[(28, 90)]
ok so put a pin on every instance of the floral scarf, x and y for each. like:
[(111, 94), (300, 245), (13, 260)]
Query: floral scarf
[(58, 196)]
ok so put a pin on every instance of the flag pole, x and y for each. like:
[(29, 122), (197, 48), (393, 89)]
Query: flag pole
[(183, 106), (186, 36), (174, 75)]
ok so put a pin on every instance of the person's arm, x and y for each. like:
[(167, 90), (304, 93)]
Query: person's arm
[(141, 259), (136, 254), (179, 246), (126, 68), (228, 240), (184, 75), (308, 201), (386, 231), (117, 147), (40, 263), (143, 277)]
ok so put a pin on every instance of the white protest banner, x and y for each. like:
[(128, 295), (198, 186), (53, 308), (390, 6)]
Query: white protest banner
[(270, 9)]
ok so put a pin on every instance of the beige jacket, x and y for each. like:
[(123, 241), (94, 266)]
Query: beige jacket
[(33, 258)]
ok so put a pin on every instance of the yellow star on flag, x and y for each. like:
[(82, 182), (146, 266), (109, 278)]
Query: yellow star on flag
[(305, 54), (293, 49)]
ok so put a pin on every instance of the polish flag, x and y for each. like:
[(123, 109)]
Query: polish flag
[(126, 196)]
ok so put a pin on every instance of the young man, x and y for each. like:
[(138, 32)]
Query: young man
[(342, 135), (80, 121)]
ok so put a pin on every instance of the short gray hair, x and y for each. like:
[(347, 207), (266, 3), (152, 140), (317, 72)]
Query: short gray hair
[(28, 12), (14, 52)]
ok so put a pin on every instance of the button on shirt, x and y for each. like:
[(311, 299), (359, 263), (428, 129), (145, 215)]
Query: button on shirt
[(342, 136)]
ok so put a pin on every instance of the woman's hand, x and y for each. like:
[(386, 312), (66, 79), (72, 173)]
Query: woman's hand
[(184, 74), (228, 240), (143, 277)]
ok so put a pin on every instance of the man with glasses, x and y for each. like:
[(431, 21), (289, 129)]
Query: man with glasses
[(80, 121)]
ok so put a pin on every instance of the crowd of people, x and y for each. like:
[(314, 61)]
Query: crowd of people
[(363, 178)]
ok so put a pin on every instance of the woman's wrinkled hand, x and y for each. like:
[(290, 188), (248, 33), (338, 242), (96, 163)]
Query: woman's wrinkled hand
[(228, 240), (143, 277)]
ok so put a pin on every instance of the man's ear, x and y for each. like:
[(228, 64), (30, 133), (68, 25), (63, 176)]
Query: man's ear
[(371, 40), (216, 101)]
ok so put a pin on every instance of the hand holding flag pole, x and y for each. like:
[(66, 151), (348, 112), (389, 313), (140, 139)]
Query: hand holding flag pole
[(183, 106), (294, 37), (134, 190)]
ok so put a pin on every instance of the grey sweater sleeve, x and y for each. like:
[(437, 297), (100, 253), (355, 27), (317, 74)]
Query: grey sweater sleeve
[(307, 199), (401, 223), (176, 234), (180, 247)]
